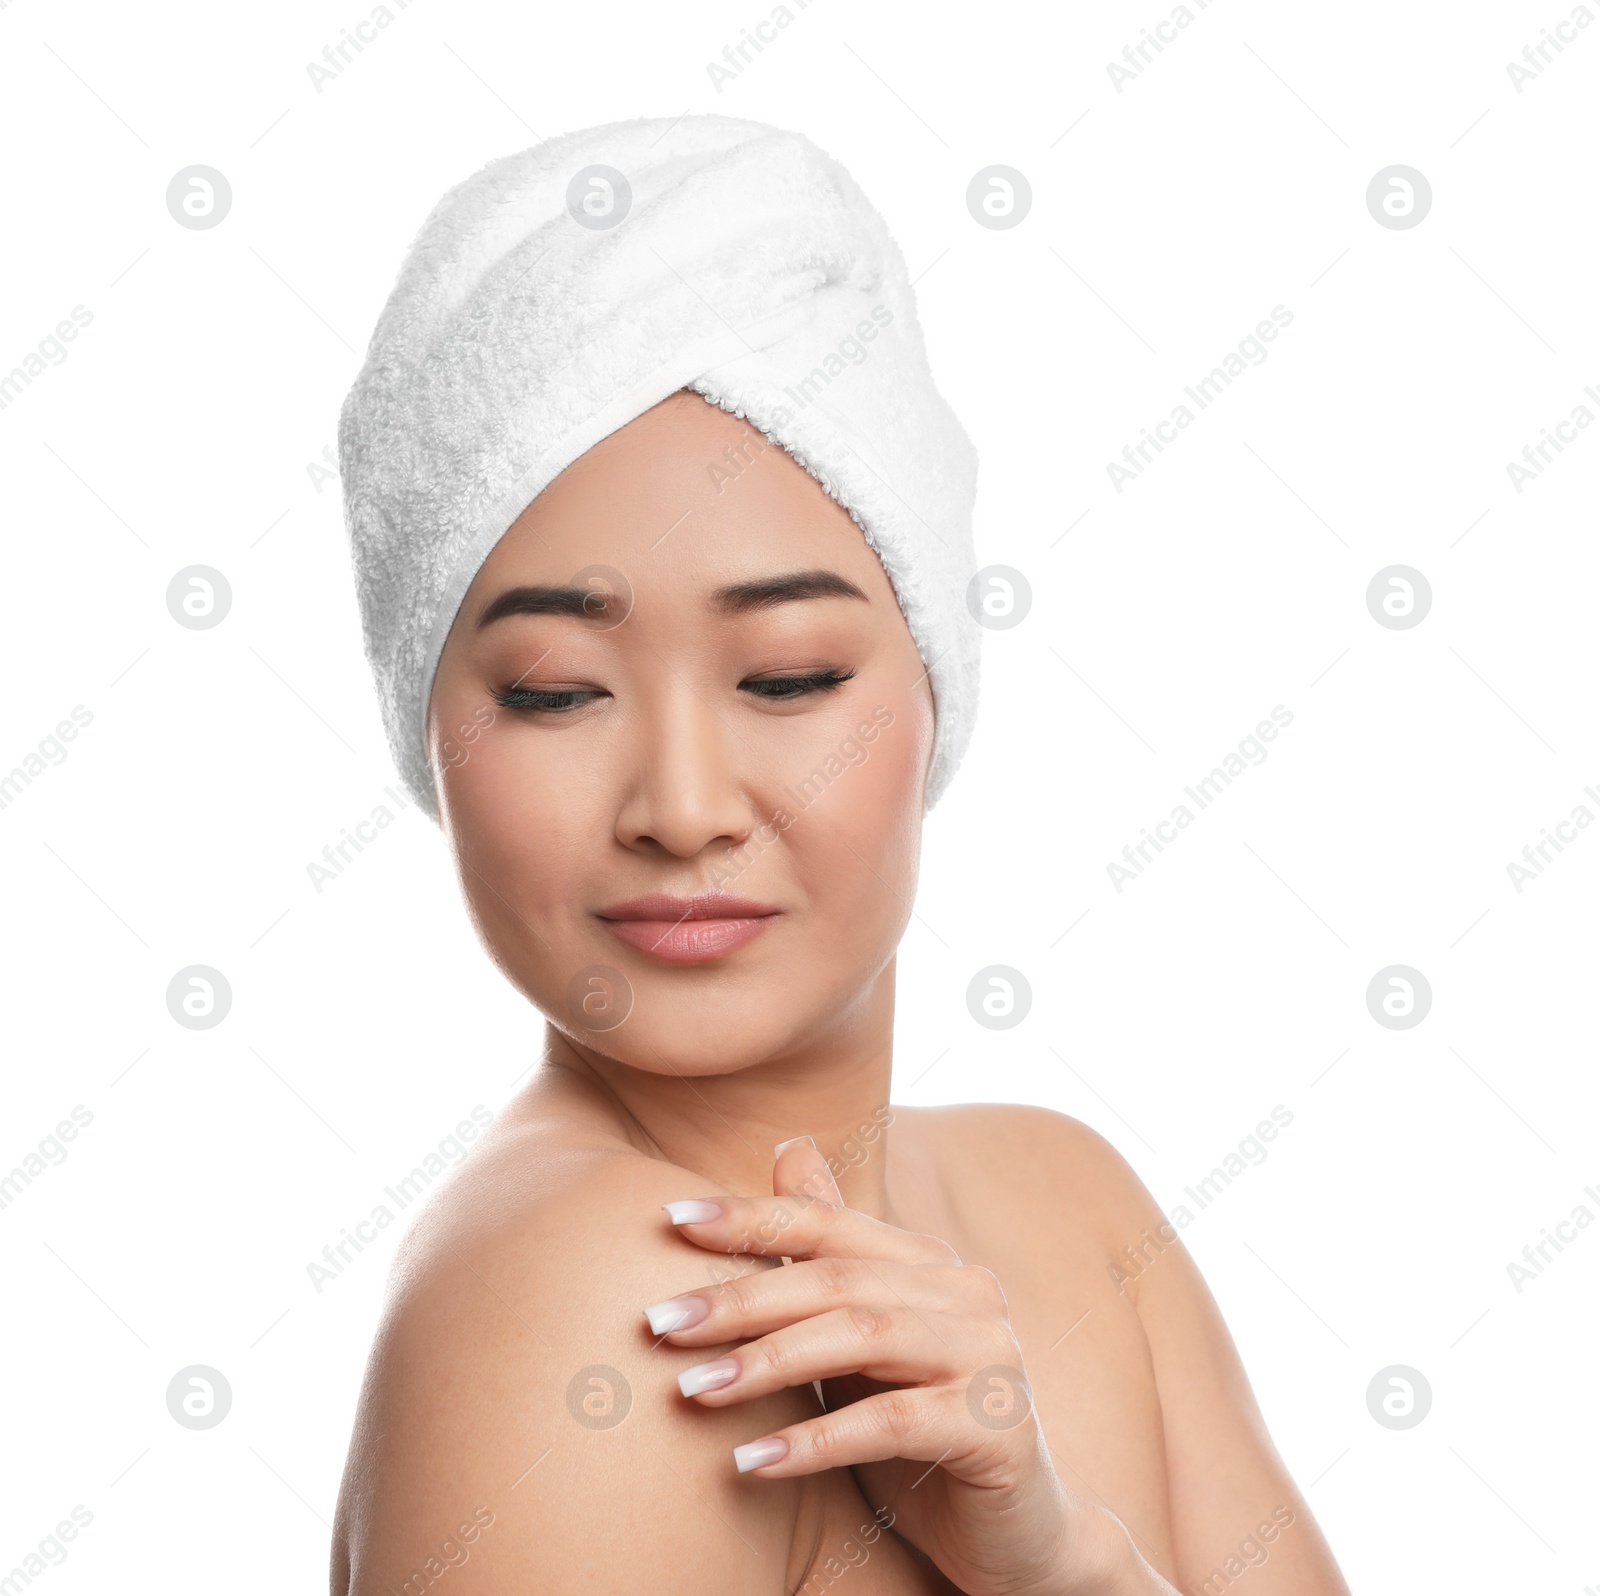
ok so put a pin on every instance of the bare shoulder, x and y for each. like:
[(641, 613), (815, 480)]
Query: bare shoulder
[(516, 1410), (1064, 1197), (1019, 1153)]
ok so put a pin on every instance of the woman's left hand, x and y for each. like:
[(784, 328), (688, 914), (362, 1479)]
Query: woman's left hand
[(941, 1429)]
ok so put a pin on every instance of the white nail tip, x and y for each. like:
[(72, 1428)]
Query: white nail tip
[(692, 1211), (707, 1377), (757, 1454), (794, 1141), (665, 1317)]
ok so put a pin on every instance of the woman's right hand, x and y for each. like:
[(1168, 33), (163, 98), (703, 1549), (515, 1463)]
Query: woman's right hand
[(942, 1430)]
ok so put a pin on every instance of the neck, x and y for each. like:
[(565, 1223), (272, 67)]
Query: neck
[(833, 1088)]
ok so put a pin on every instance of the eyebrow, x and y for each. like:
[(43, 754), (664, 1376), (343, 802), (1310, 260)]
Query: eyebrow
[(790, 588), (738, 598), (586, 604)]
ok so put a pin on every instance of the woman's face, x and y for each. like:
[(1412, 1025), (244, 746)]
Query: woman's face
[(737, 708)]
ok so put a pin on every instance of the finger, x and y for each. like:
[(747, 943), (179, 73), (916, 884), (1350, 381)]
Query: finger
[(898, 1345), (764, 1300), (932, 1425), (801, 1226), (800, 1170)]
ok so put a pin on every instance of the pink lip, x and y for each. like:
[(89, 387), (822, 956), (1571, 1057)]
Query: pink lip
[(687, 930)]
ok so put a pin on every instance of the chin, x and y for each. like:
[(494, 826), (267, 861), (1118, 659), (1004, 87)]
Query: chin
[(693, 1038), (711, 1018)]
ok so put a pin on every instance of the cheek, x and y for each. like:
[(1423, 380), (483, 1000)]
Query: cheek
[(484, 763), (461, 724), (856, 848), (492, 783)]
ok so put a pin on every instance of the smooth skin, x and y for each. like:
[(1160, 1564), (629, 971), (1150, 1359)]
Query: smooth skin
[(1002, 1409)]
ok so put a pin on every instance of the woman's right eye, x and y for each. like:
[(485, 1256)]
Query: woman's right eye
[(555, 700)]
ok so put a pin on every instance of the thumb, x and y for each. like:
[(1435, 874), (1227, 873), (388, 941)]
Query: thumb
[(800, 1170)]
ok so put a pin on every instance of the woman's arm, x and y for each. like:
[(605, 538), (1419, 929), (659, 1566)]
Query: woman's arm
[(1233, 1505), (488, 1445)]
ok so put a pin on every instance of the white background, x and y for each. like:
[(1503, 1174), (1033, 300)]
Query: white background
[(1167, 219)]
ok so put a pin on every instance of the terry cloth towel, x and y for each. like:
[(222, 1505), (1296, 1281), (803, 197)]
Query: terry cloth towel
[(560, 292)]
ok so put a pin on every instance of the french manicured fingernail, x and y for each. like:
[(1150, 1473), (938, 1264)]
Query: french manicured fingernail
[(676, 1313), (757, 1454), (709, 1377), (794, 1141), (693, 1211)]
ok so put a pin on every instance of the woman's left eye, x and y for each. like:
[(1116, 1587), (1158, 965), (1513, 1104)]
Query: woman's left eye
[(795, 686)]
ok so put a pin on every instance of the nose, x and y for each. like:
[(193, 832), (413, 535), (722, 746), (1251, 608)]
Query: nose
[(684, 791)]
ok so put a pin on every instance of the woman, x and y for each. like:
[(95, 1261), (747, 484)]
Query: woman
[(703, 1312)]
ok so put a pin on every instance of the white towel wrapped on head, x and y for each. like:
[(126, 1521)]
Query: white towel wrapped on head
[(558, 293)]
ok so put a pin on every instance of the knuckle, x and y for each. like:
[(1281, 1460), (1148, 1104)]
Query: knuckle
[(869, 1323), (777, 1358), (898, 1413), (835, 1277), (824, 1439), (734, 1299), (1004, 1348), (986, 1287)]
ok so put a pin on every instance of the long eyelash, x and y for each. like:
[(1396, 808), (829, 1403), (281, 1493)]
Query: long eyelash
[(540, 698), (795, 686), (773, 687)]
